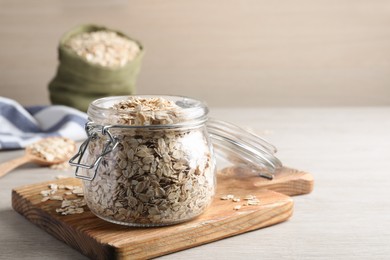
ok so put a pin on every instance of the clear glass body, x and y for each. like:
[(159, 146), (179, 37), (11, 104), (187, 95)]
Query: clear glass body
[(155, 175)]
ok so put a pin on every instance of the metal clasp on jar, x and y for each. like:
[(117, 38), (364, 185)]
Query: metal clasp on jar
[(92, 131)]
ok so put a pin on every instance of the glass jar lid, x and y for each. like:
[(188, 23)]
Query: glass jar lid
[(243, 148)]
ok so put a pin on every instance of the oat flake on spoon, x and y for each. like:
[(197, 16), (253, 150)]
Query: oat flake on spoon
[(48, 151)]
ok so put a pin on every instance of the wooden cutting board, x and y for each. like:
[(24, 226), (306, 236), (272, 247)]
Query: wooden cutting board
[(99, 239)]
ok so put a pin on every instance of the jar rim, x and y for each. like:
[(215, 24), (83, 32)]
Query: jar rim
[(191, 110)]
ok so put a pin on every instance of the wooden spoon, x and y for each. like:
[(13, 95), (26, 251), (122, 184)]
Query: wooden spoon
[(45, 152)]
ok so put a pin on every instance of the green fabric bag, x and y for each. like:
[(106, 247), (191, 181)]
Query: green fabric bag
[(77, 82)]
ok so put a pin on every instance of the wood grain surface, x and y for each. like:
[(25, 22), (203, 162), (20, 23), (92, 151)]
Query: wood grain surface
[(286, 180), (99, 239)]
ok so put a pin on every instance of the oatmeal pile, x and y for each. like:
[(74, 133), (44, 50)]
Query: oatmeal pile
[(147, 111), (63, 193), (104, 48), (52, 149)]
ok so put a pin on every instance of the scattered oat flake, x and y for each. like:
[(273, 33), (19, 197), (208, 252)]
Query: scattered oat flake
[(56, 198), (227, 197), (53, 186), (78, 210), (253, 202), (77, 191), (69, 207), (66, 203), (249, 197), (45, 199), (70, 211), (45, 193)]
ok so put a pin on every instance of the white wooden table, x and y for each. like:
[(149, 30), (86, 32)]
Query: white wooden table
[(346, 217)]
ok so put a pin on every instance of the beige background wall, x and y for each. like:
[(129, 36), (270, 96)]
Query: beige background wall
[(227, 52)]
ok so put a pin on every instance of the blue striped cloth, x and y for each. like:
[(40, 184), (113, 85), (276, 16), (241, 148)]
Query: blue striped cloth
[(21, 126)]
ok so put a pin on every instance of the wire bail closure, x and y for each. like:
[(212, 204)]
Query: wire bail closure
[(92, 131)]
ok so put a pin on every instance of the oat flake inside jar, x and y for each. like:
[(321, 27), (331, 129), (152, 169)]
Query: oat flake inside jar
[(149, 160)]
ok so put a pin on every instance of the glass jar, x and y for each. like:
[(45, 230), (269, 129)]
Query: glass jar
[(150, 161)]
